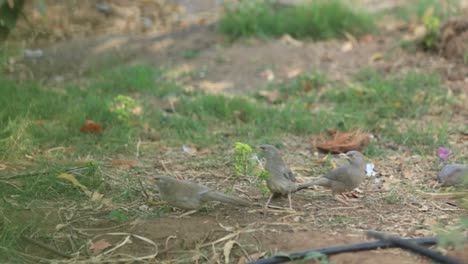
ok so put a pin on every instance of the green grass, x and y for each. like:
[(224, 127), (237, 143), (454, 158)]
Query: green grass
[(315, 19), (443, 9), (43, 124), (340, 220), (35, 119), (393, 197)]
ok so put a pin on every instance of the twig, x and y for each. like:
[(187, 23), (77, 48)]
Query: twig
[(342, 249), (47, 247), (137, 154), (411, 246), (125, 241), (443, 195), (143, 189), (9, 183), (164, 167)]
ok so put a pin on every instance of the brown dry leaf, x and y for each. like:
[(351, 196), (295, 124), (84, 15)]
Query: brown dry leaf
[(407, 174), (350, 38), (73, 180), (416, 32), (255, 256), (100, 245), (192, 151), (376, 57), (348, 46), (123, 163), (367, 38), (91, 127), (293, 73), (271, 96), (137, 110), (95, 196), (389, 183), (287, 39), (340, 142), (268, 75)]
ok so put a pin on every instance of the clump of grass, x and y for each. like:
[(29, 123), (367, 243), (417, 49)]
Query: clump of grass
[(416, 9), (392, 197), (409, 96), (314, 19), (34, 117)]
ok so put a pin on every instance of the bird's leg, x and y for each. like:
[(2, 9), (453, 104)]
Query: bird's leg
[(290, 202), (341, 200), (269, 200), (187, 213), (344, 196)]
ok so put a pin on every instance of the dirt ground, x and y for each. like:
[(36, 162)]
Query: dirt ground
[(221, 67)]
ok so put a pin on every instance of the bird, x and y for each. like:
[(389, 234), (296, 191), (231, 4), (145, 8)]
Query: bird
[(453, 174), (344, 178), (281, 180), (190, 195)]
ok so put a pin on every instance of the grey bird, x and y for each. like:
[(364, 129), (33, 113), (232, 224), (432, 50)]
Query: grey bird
[(453, 174), (281, 180), (344, 178), (190, 195)]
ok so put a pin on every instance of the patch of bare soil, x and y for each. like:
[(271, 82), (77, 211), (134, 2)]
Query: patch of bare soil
[(241, 66), (394, 201)]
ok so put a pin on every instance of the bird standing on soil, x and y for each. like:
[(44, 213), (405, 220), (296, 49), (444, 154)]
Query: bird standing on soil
[(345, 178), (190, 195), (281, 180), (453, 174)]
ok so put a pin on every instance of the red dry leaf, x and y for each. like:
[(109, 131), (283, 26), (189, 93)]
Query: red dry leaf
[(99, 246), (123, 163), (341, 142), (91, 127)]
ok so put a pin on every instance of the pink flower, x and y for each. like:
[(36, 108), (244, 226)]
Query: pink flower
[(443, 153)]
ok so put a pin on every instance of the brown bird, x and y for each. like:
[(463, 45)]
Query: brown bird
[(345, 178), (281, 180), (190, 195)]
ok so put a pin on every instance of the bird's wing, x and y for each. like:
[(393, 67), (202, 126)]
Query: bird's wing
[(339, 174), (288, 174), (224, 198)]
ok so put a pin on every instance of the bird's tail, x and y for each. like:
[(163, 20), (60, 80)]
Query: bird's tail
[(320, 182), (224, 198)]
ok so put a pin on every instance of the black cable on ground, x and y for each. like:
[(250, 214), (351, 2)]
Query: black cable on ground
[(414, 247), (429, 241)]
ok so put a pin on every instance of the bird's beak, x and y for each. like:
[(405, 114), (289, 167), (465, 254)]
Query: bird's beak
[(259, 148)]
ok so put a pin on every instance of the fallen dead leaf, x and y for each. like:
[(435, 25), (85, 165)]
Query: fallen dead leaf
[(348, 46), (350, 38), (271, 96), (95, 196), (91, 127), (100, 245), (293, 73), (123, 163), (73, 180), (268, 75), (255, 256), (287, 39), (367, 38), (341, 142), (376, 57)]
